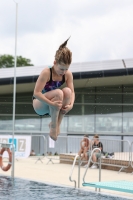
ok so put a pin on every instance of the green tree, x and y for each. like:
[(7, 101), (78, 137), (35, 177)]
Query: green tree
[(7, 61), (23, 61)]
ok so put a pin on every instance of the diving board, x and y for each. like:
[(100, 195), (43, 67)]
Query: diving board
[(122, 186)]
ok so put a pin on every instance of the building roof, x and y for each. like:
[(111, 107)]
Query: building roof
[(100, 73), (76, 68)]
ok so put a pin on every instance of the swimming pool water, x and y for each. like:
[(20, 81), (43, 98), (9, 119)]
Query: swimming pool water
[(20, 189)]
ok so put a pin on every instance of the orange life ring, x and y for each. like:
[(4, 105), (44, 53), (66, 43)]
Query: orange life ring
[(5, 168)]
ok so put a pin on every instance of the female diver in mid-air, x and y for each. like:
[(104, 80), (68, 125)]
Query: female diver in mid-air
[(47, 97)]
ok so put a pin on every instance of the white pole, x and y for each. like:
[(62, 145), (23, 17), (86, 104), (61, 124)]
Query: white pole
[(14, 90)]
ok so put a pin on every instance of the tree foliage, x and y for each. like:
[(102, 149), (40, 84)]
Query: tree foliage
[(7, 61)]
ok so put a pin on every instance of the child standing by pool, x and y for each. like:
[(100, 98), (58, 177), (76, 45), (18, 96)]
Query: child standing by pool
[(47, 97)]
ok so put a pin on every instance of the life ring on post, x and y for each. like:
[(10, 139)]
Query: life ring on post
[(8, 166)]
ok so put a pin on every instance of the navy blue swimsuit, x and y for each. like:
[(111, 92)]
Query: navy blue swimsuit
[(51, 85)]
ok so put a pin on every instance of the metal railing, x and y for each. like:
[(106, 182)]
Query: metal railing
[(45, 147), (115, 153), (120, 148), (70, 176), (79, 164), (120, 159), (99, 163)]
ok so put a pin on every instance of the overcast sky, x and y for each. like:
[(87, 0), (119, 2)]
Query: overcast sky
[(99, 29)]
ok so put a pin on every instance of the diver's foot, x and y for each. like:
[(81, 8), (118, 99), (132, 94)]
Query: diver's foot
[(53, 138), (53, 131)]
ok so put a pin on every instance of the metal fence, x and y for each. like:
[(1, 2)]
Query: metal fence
[(39, 144), (115, 153), (122, 149), (65, 144), (120, 156)]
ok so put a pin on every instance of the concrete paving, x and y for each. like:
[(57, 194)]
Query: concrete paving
[(32, 168)]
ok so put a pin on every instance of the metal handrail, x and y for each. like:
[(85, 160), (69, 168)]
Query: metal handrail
[(70, 176), (89, 164), (79, 163)]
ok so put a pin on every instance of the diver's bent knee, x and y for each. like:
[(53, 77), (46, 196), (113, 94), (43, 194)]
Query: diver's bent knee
[(59, 93), (67, 91)]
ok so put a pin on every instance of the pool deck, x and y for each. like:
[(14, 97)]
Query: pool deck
[(58, 174)]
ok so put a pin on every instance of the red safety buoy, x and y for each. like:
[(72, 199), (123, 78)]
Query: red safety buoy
[(8, 166)]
